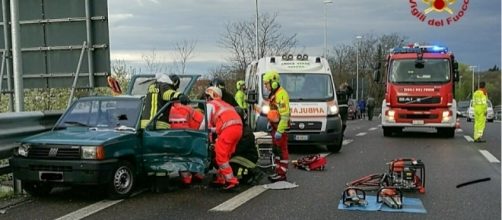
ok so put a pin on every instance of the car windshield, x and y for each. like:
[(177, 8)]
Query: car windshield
[(431, 71), (111, 113), (306, 87), (463, 105)]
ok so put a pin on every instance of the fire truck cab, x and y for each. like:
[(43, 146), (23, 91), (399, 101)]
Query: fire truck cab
[(420, 83)]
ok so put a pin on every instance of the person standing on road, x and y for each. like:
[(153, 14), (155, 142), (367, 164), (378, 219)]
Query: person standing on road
[(370, 105), (362, 107), (240, 95), (227, 124), (343, 96), (278, 117), (479, 102)]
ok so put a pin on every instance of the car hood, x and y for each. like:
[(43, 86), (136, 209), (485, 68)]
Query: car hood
[(77, 136)]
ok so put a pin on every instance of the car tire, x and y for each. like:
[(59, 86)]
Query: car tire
[(490, 120), (468, 119), (122, 181), (37, 189)]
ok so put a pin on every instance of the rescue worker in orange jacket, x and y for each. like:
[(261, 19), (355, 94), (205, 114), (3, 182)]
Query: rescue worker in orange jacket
[(278, 117), (226, 123), (163, 90), (184, 117)]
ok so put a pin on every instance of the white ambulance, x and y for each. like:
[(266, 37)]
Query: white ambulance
[(313, 105)]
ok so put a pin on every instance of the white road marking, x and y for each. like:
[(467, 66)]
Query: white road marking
[(489, 156), (347, 141), (468, 138), (89, 210), (372, 129), (325, 154), (240, 199), (361, 134)]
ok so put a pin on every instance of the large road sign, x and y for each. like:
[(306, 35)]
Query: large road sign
[(52, 33)]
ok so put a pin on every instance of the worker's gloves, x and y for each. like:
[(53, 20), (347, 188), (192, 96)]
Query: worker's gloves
[(184, 100), (278, 135)]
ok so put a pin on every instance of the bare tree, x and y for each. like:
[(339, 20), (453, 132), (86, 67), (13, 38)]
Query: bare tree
[(239, 39), (343, 61), (154, 63), (183, 52)]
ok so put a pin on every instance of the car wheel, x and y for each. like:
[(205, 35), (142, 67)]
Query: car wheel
[(490, 120), (37, 189), (122, 181), (468, 119)]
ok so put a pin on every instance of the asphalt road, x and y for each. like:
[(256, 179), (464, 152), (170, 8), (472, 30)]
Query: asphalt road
[(448, 163)]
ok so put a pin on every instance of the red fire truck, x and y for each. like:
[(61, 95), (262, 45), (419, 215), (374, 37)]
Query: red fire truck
[(420, 83)]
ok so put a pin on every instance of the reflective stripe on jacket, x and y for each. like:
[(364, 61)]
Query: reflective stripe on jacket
[(280, 98), (479, 101), (223, 115)]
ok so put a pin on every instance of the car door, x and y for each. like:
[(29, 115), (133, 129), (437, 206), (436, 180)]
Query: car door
[(172, 150)]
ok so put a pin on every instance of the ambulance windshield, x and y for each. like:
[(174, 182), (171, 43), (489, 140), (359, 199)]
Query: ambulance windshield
[(306, 87)]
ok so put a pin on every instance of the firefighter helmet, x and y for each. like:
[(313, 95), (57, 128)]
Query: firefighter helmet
[(175, 81), (218, 83)]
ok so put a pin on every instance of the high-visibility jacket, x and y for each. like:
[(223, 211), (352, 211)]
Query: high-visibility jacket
[(240, 98), (479, 101), (223, 115), (158, 95), (183, 116), (279, 100)]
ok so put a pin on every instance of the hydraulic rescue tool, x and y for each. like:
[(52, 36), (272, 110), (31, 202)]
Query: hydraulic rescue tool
[(354, 196), (407, 174), (390, 196)]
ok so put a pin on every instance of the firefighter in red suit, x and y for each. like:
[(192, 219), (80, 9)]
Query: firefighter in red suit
[(226, 123)]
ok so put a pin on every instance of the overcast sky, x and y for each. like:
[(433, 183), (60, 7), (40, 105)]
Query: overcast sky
[(137, 27)]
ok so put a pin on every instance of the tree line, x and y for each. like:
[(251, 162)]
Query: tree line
[(239, 41)]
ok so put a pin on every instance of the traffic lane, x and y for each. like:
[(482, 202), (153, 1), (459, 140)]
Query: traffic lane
[(491, 135), (448, 162), (59, 203)]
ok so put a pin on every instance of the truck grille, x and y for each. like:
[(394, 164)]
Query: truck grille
[(306, 126), (421, 116), (54, 152), (419, 99)]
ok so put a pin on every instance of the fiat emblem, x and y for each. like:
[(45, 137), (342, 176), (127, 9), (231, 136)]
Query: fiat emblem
[(301, 125)]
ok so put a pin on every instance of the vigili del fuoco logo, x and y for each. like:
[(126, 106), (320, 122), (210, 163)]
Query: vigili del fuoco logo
[(439, 13)]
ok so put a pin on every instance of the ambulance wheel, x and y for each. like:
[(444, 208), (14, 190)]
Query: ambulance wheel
[(335, 148)]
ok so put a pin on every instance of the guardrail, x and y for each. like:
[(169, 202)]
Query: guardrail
[(498, 112), (15, 126)]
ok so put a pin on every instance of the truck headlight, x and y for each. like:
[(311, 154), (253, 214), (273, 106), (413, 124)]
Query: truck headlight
[(93, 152), (446, 116), (390, 114), (23, 150)]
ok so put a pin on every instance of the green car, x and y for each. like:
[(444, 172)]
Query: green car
[(98, 141)]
